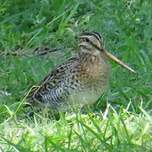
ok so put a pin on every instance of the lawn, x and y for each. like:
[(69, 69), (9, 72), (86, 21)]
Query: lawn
[(121, 120)]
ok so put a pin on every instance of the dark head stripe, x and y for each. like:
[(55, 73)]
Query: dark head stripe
[(95, 34)]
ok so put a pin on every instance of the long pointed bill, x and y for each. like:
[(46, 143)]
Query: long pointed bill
[(112, 57)]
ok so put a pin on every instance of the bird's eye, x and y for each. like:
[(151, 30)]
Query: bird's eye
[(87, 40)]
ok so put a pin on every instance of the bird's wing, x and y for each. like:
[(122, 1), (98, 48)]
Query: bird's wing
[(52, 87)]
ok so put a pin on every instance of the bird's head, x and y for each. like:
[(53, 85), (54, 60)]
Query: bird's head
[(87, 40), (92, 43)]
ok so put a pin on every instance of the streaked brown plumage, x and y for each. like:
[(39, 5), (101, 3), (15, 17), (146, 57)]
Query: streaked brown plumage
[(80, 80)]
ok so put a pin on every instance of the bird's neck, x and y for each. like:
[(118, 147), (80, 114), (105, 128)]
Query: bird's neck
[(88, 58)]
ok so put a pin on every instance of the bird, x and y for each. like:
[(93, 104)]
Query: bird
[(80, 80)]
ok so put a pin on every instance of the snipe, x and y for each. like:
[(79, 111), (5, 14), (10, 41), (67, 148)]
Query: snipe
[(78, 81)]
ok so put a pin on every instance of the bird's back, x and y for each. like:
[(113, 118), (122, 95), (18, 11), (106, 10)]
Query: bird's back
[(53, 89)]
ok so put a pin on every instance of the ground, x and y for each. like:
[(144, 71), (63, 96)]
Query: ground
[(121, 120)]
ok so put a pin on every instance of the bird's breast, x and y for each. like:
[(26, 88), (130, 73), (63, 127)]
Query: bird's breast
[(94, 71), (93, 77)]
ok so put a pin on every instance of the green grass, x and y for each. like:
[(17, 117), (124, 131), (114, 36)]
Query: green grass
[(125, 124), (110, 131)]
